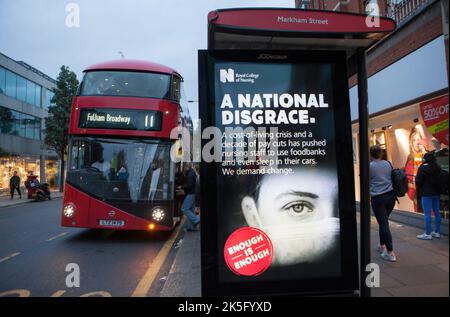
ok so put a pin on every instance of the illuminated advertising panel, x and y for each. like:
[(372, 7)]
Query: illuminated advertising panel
[(278, 207)]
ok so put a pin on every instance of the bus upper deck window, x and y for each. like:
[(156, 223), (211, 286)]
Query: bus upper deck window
[(126, 83), (176, 88)]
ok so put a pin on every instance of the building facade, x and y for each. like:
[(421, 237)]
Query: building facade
[(25, 95), (408, 74)]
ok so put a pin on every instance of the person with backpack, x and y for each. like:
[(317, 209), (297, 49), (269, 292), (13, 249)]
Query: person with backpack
[(382, 200), (428, 185)]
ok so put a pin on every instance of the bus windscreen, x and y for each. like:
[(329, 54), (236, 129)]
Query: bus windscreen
[(121, 169)]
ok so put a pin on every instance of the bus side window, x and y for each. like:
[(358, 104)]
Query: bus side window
[(176, 91)]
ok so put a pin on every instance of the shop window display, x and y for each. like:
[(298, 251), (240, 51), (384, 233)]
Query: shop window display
[(421, 142), (417, 148), (51, 173), (379, 138), (404, 145), (22, 165)]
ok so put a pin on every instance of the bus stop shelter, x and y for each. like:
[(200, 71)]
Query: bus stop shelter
[(294, 29)]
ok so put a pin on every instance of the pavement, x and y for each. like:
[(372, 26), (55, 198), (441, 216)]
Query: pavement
[(422, 267), (184, 278), (6, 201)]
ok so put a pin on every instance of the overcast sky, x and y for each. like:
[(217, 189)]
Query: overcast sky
[(168, 32)]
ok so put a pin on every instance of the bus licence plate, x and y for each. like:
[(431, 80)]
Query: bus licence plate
[(112, 223)]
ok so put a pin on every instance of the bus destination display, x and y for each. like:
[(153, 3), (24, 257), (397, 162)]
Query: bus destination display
[(123, 119)]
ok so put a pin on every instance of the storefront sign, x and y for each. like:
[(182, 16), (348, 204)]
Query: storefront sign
[(278, 214), (434, 113)]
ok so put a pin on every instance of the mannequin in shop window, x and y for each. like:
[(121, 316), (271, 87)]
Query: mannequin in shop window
[(416, 151)]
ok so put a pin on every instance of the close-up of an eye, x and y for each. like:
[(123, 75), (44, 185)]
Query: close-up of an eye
[(299, 208)]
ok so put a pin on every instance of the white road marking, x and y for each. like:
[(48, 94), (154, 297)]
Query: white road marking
[(58, 293), (20, 292), (57, 236), (9, 257), (97, 294)]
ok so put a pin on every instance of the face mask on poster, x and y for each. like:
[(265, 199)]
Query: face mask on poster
[(298, 214)]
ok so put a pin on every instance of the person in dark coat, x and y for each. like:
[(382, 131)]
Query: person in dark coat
[(427, 183), (179, 181), (197, 190), (188, 207), (14, 184)]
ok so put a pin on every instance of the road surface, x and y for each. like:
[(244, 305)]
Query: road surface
[(35, 252)]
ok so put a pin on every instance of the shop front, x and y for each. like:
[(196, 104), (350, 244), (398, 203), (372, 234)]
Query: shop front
[(24, 165), (52, 168), (405, 133)]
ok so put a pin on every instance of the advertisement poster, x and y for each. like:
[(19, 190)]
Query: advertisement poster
[(277, 203), (435, 116)]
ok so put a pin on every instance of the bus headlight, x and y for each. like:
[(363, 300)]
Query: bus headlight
[(158, 214), (69, 210)]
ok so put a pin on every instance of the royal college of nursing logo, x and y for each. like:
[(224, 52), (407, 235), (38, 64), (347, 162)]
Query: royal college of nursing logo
[(229, 76)]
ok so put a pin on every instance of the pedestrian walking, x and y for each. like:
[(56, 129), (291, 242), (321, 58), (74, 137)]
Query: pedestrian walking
[(427, 182), (188, 206), (14, 185), (179, 181), (382, 200), (197, 190)]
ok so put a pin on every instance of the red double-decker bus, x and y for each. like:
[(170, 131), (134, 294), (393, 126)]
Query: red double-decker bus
[(119, 172)]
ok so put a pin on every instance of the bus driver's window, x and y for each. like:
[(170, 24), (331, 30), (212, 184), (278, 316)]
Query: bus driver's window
[(101, 164)]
